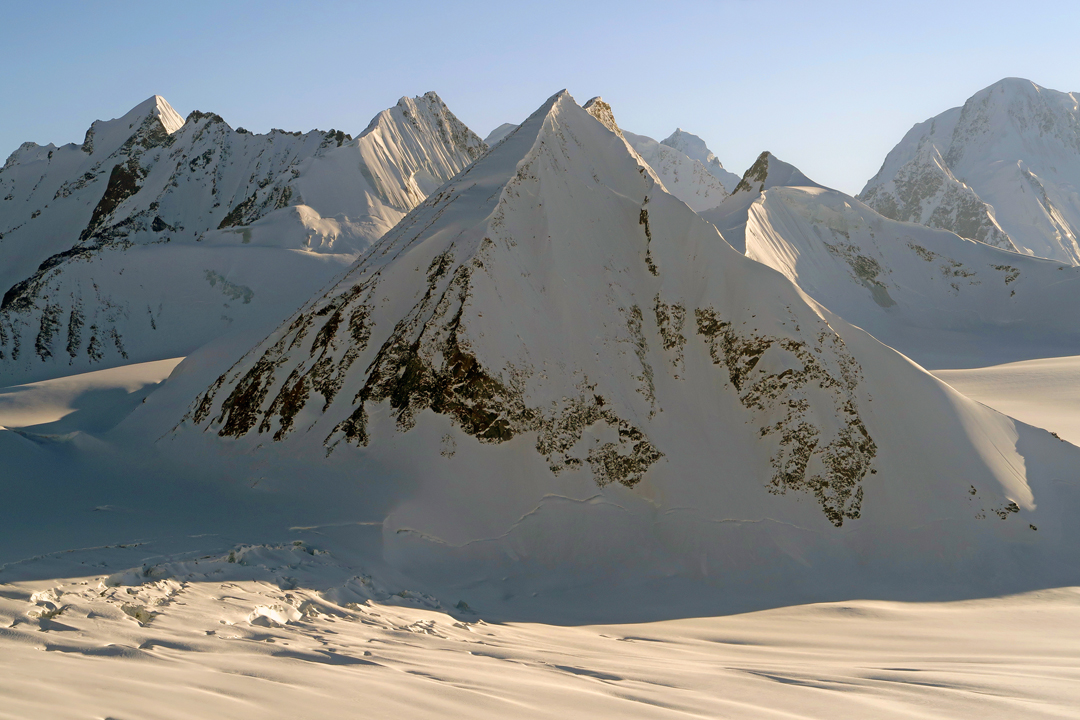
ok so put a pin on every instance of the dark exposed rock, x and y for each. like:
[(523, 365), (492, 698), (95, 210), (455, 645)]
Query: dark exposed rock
[(123, 183), (756, 175), (846, 457)]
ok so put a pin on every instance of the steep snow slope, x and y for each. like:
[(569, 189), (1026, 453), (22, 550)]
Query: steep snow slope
[(553, 369), (1003, 169), (120, 249), (767, 172), (939, 298), (1043, 392), (695, 148)]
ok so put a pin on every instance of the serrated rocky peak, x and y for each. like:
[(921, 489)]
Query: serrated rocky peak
[(555, 361), (75, 219), (768, 171), (398, 141), (602, 112), (1000, 169)]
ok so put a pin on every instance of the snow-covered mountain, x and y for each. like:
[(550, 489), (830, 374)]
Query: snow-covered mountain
[(917, 289), (687, 179), (931, 294), (157, 233), (699, 180), (767, 172), (695, 148), (1003, 169), (499, 133), (554, 365)]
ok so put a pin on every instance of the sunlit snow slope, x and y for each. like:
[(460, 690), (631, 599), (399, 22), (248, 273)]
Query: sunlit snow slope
[(158, 233), (683, 163)]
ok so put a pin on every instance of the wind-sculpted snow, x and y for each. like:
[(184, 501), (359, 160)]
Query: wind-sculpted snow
[(729, 217), (1003, 169), (75, 219)]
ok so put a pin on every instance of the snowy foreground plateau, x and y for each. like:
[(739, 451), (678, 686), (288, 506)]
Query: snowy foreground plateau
[(567, 421)]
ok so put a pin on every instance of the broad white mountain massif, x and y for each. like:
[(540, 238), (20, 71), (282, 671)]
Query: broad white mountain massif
[(1003, 169), (158, 234)]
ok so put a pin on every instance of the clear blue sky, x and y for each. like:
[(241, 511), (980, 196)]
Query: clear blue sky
[(828, 86)]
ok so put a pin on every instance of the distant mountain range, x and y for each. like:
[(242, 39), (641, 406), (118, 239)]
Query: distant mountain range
[(158, 233)]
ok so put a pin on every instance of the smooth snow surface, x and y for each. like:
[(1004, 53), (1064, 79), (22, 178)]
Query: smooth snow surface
[(1044, 392), (94, 394), (499, 133)]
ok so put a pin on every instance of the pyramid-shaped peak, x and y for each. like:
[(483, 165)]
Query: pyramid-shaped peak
[(149, 122), (405, 125), (556, 166), (602, 112), (159, 107), (769, 171)]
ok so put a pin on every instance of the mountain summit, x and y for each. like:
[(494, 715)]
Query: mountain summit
[(1002, 169), (695, 148)]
